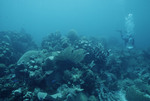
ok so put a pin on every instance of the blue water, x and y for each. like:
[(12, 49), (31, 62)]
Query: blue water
[(89, 17)]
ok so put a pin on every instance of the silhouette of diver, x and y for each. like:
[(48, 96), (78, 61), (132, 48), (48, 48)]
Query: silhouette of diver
[(128, 39)]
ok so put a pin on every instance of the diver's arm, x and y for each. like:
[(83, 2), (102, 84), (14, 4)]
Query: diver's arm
[(121, 33)]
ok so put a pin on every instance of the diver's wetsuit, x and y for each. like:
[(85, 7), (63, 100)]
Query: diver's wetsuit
[(128, 39)]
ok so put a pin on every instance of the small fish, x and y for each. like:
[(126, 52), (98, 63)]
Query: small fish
[(15, 81), (53, 81)]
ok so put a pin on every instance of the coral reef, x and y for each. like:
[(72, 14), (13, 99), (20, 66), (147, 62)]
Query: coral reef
[(73, 35), (13, 45), (71, 68)]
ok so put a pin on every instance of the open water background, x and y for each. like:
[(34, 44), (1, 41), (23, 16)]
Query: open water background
[(89, 17)]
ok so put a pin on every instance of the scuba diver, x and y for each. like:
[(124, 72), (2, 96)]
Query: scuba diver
[(127, 38)]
